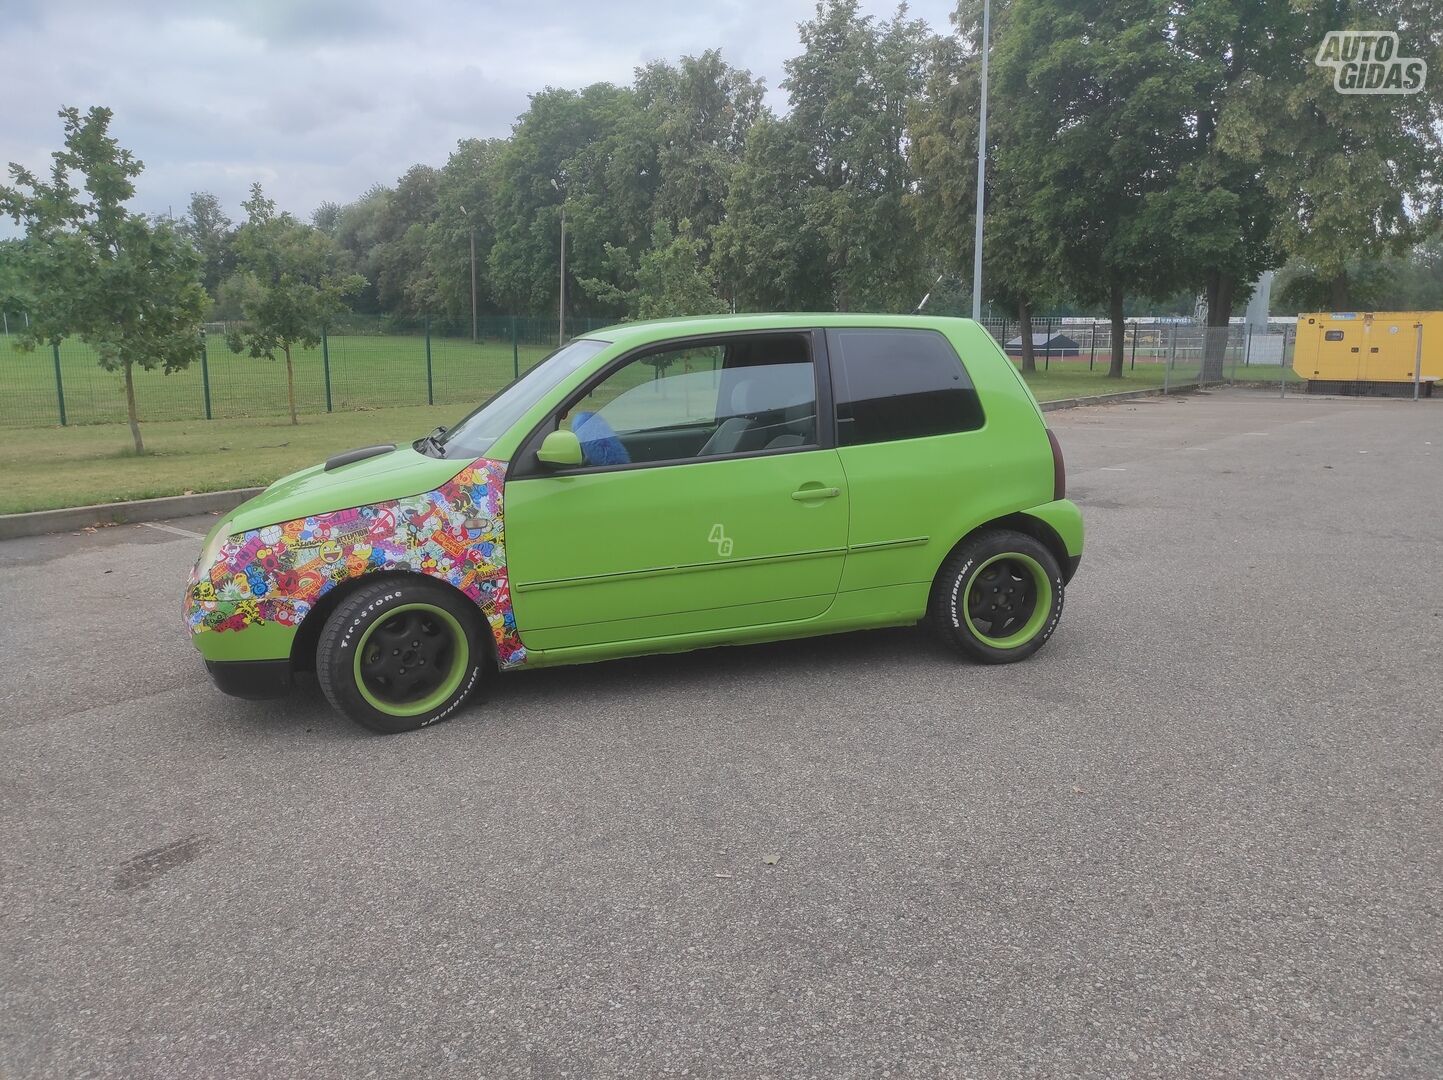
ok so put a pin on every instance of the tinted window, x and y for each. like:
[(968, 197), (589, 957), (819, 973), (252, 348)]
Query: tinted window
[(1333, 335), (700, 400), (899, 384)]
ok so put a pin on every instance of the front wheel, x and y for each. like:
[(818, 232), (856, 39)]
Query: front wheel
[(998, 597), (400, 654)]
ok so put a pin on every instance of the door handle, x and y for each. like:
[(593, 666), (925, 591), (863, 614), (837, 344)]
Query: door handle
[(807, 494)]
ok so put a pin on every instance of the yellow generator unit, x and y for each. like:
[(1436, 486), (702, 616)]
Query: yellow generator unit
[(1361, 352)]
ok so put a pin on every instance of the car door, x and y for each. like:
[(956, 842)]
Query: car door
[(710, 498)]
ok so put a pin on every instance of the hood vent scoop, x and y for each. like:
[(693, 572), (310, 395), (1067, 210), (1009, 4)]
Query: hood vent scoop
[(352, 456)]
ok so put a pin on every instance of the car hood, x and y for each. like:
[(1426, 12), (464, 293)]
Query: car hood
[(395, 475)]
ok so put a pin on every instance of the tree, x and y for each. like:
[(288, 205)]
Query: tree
[(361, 231), (14, 286), (850, 90), (125, 285), (399, 262), (290, 285), (208, 229), (1409, 282), (768, 259), (670, 279), (464, 195), (1217, 211), (1358, 175), (1018, 267), (327, 217), (593, 151), (1095, 91), (702, 110)]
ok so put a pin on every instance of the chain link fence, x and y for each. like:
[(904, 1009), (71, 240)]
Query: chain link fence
[(368, 362), (1168, 353), (360, 363), (1178, 354)]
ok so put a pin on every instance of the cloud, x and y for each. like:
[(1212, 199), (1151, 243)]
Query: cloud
[(320, 99)]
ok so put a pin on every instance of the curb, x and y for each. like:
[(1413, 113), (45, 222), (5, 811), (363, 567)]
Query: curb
[(71, 518), (1108, 399)]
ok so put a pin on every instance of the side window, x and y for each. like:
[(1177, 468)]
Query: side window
[(743, 395), (899, 384)]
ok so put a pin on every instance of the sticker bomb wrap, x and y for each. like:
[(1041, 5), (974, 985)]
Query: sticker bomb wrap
[(277, 573)]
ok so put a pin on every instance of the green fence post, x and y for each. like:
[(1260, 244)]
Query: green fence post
[(430, 392), (205, 375), (515, 352), (1133, 365), (59, 383), (326, 366)]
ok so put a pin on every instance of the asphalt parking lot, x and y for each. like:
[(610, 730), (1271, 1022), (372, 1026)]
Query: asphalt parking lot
[(1199, 834)]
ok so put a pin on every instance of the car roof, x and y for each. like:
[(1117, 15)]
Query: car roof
[(640, 333)]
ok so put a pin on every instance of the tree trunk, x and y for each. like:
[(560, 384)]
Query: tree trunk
[(1339, 290), (1119, 332), (1215, 343), (291, 386), (1024, 323), (130, 408)]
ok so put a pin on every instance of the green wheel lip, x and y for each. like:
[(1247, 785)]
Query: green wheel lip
[(442, 693), (1040, 611)]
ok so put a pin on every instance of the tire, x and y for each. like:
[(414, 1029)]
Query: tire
[(998, 597), (426, 628)]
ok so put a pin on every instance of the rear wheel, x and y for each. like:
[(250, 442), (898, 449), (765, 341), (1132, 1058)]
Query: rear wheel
[(400, 654), (998, 597)]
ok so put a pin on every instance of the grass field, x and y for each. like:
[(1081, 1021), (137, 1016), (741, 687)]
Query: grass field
[(367, 371), (51, 466)]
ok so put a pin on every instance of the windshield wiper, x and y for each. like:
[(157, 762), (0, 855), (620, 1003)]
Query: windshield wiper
[(431, 445)]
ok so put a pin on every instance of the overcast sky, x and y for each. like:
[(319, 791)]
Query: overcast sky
[(320, 99)]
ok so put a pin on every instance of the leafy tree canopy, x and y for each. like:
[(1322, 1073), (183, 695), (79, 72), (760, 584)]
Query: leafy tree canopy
[(127, 286), (289, 283)]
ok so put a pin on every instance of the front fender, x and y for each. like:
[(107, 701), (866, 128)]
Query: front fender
[(247, 603)]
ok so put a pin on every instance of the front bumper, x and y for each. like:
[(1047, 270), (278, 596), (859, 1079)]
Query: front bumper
[(254, 680)]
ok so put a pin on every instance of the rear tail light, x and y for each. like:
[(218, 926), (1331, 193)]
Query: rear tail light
[(1059, 470)]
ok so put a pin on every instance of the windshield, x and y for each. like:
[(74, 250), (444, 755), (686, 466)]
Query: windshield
[(473, 436)]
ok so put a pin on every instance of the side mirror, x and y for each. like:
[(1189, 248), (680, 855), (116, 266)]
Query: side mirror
[(561, 449)]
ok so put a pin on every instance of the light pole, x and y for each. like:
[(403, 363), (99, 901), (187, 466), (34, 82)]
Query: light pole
[(561, 304), (981, 166), (474, 336)]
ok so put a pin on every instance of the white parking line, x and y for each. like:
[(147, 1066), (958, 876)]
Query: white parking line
[(173, 529)]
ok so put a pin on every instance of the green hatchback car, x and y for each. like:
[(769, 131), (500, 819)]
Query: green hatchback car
[(656, 487)]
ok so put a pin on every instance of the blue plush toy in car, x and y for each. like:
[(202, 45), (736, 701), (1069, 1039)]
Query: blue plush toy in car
[(599, 444)]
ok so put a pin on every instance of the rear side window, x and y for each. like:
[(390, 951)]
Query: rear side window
[(899, 384)]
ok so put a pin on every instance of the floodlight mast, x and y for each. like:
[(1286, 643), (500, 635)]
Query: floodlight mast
[(561, 303), (472, 225), (981, 166)]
